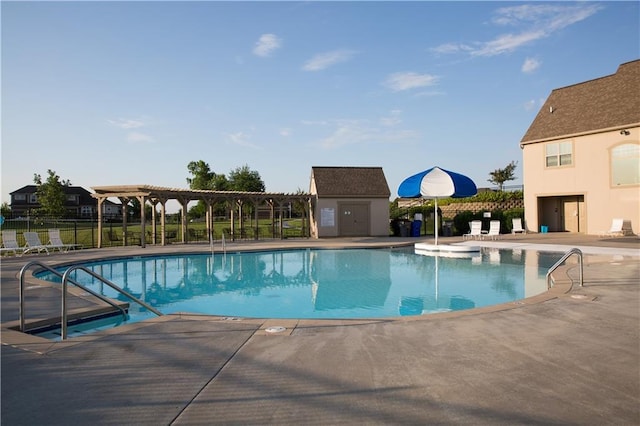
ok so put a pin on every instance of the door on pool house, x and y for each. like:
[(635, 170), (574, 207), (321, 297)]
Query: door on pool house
[(354, 219), (562, 214)]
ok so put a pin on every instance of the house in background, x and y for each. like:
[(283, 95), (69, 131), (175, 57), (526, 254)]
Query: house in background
[(581, 156), (78, 202), (349, 202)]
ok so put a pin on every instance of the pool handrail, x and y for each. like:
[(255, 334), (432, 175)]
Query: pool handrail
[(561, 261), (59, 275), (65, 279)]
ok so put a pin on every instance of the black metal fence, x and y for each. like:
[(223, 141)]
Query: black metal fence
[(83, 232)]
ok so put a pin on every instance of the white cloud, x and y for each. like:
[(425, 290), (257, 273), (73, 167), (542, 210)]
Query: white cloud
[(507, 43), (137, 137), (535, 21), (393, 119), (530, 65), (350, 132), (409, 80), (266, 45), (285, 132), (241, 139), (529, 105), (327, 59), (451, 48), (126, 123)]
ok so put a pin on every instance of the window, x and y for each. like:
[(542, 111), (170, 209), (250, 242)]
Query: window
[(559, 154), (33, 198), (20, 197), (625, 164)]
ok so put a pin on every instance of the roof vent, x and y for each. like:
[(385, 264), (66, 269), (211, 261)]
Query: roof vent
[(551, 109)]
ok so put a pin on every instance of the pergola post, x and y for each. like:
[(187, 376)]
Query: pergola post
[(154, 220), (100, 201), (124, 202), (163, 223), (143, 200)]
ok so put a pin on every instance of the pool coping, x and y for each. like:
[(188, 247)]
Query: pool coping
[(10, 334)]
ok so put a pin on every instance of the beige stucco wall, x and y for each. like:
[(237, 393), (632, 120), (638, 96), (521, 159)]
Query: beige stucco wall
[(589, 176), (378, 216)]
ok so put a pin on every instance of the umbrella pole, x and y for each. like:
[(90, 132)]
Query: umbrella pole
[(436, 221)]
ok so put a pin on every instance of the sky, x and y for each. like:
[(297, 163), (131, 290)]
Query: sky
[(128, 93)]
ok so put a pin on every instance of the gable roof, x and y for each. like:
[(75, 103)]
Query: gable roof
[(84, 195), (595, 105), (350, 182)]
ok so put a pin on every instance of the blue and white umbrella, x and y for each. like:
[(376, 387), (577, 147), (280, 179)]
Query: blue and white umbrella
[(435, 183)]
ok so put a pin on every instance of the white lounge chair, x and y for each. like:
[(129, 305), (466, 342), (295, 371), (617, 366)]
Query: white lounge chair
[(517, 226), (494, 230), (10, 243), (33, 243), (55, 242), (476, 230), (619, 228)]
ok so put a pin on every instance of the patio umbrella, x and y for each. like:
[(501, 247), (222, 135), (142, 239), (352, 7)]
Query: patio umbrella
[(435, 183)]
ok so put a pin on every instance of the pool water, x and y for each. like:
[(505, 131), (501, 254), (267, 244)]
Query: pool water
[(347, 283)]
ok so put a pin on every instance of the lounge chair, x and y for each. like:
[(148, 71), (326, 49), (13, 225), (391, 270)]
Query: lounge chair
[(619, 228), (33, 243), (55, 242), (517, 226), (10, 243), (494, 230), (476, 230)]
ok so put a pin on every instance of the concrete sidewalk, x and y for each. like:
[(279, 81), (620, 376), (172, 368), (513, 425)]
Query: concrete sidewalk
[(569, 357)]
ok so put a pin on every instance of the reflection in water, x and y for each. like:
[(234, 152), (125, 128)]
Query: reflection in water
[(340, 281), (322, 283)]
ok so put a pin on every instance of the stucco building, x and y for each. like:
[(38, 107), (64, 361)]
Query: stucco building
[(581, 156), (349, 202)]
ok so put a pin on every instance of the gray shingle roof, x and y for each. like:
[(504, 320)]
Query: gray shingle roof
[(352, 182), (604, 103)]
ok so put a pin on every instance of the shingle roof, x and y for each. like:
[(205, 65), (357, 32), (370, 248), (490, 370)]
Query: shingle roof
[(351, 182), (604, 103)]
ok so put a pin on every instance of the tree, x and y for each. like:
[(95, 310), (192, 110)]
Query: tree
[(500, 176), (5, 210), (204, 178), (51, 196), (245, 179)]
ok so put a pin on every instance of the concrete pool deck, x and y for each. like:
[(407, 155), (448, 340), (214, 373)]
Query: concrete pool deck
[(571, 357)]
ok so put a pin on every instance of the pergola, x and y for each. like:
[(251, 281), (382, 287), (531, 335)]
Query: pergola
[(158, 195)]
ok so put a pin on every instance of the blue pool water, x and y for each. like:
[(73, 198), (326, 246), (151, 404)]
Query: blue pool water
[(348, 283)]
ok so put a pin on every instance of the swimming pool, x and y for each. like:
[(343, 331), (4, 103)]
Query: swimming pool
[(321, 283)]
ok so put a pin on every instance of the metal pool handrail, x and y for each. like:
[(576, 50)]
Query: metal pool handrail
[(65, 279), (59, 275), (561, 261)]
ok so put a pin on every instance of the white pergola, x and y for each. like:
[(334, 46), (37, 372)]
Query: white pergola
[(159, 195)]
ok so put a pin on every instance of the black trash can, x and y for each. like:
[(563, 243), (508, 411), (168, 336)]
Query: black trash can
[(404, 229), (447, 230)]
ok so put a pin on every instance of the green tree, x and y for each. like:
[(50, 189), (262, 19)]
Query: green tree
[(245, 179), (5, 210), (204, 178), (51, 196), (500, 176)]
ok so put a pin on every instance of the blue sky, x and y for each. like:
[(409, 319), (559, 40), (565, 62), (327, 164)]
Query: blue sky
[(111, 93)]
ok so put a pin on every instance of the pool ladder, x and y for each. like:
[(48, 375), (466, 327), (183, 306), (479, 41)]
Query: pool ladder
[(65, 280), (561, 261)]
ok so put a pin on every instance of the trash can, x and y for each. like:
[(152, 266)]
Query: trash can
[(447, 230), (404, 229), (395, 227), (544, 229), (415, 228)]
